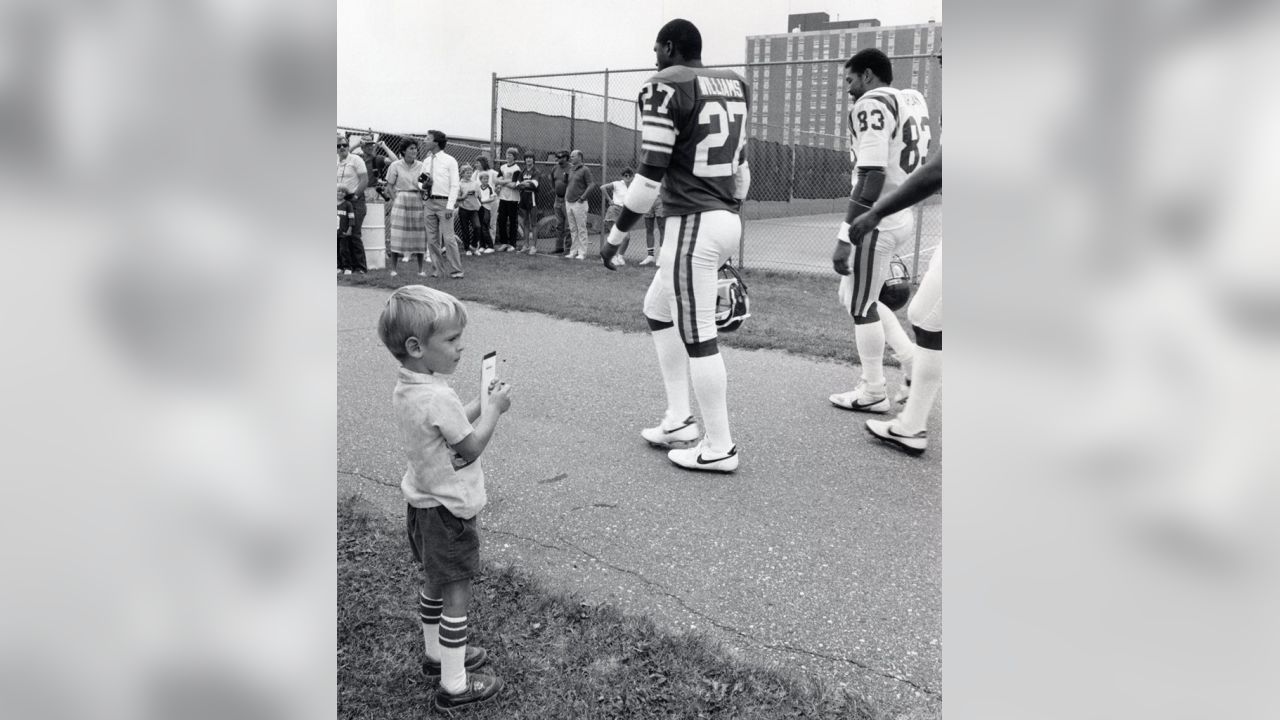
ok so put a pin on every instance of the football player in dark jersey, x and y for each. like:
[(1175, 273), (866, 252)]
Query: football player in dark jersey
[(693, 148)]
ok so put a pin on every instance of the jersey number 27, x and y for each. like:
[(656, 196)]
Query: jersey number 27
[(717, 154)]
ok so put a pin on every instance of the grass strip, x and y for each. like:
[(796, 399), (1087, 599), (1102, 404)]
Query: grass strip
[(560, 657), (795, 312)]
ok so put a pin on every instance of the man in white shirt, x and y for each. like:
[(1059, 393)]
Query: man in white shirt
[(442, 198)]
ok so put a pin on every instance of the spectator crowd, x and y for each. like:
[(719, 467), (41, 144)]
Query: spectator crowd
[(438, 211)]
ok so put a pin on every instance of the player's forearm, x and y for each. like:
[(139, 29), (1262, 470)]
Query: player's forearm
[(742, 181), (865, 193), (919, 185), (473, 410), (641, 195)]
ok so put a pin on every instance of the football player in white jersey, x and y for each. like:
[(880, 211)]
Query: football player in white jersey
[(908, 431), (888, 139)]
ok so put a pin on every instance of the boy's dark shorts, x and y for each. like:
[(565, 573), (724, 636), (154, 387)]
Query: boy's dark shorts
[(447, 546)]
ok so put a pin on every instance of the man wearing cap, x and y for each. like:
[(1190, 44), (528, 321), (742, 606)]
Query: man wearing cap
[(441, 198), (575, 202), (560, 178), (377, 158), (352, 180)]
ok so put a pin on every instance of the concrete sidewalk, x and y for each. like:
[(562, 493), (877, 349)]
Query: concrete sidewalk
[(822, 553)]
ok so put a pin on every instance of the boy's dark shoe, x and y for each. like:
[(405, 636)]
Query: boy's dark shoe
[(476, 657), (480, 688)]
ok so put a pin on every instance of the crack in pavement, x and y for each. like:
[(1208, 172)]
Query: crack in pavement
[(535, 541), (353, 473), (750, 639)]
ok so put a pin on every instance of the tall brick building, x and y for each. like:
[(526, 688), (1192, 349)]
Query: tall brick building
[(806, 104)]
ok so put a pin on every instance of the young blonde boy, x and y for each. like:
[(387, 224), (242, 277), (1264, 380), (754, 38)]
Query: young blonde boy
[(443, 483)]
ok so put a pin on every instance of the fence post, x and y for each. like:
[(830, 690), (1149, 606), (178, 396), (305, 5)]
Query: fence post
[(915, 264), (742, 237), (604, 156), (493, 118), (573, 117)]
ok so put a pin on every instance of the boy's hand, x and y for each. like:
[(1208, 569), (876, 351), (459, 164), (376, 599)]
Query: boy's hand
[(500, 395)]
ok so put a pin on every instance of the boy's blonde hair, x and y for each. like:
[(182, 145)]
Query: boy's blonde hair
[(417, 311)]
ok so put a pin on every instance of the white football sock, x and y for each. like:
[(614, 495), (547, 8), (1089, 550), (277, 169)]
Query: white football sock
[(926, 378), (429, 611), (453, 654), (709, 384), (897, 338), (870, 341), (674, 363)]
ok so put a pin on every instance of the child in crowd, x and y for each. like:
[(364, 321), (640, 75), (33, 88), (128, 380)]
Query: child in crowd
[(468, 224), (443, 483), (488, 201), (615, 194)]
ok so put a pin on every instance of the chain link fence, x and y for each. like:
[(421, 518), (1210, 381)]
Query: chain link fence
[(797, 147)]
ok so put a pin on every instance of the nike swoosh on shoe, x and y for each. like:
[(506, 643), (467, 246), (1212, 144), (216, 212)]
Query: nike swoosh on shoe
[(918, 436), (726, 457)]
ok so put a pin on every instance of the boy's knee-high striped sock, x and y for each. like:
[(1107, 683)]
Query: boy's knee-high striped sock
[(453, 653), (429, 610)]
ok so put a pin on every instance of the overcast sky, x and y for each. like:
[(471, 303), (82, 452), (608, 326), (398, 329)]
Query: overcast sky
[(410, 65)]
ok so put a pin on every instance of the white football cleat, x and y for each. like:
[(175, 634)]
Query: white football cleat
[(648, 260), (863, 398), (889, 432), (681, 436), (700, 458)]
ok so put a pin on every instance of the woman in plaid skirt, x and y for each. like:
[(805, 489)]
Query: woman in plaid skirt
[(408, 226)]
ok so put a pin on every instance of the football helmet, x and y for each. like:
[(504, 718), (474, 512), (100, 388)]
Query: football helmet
[(733, 306), (897, 287)]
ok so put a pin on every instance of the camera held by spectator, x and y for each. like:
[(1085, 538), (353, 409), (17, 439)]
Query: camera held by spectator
[(424, 182)]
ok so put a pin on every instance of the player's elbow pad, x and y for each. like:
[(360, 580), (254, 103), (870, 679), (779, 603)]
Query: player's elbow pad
[(641, 194), (743, 182)]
